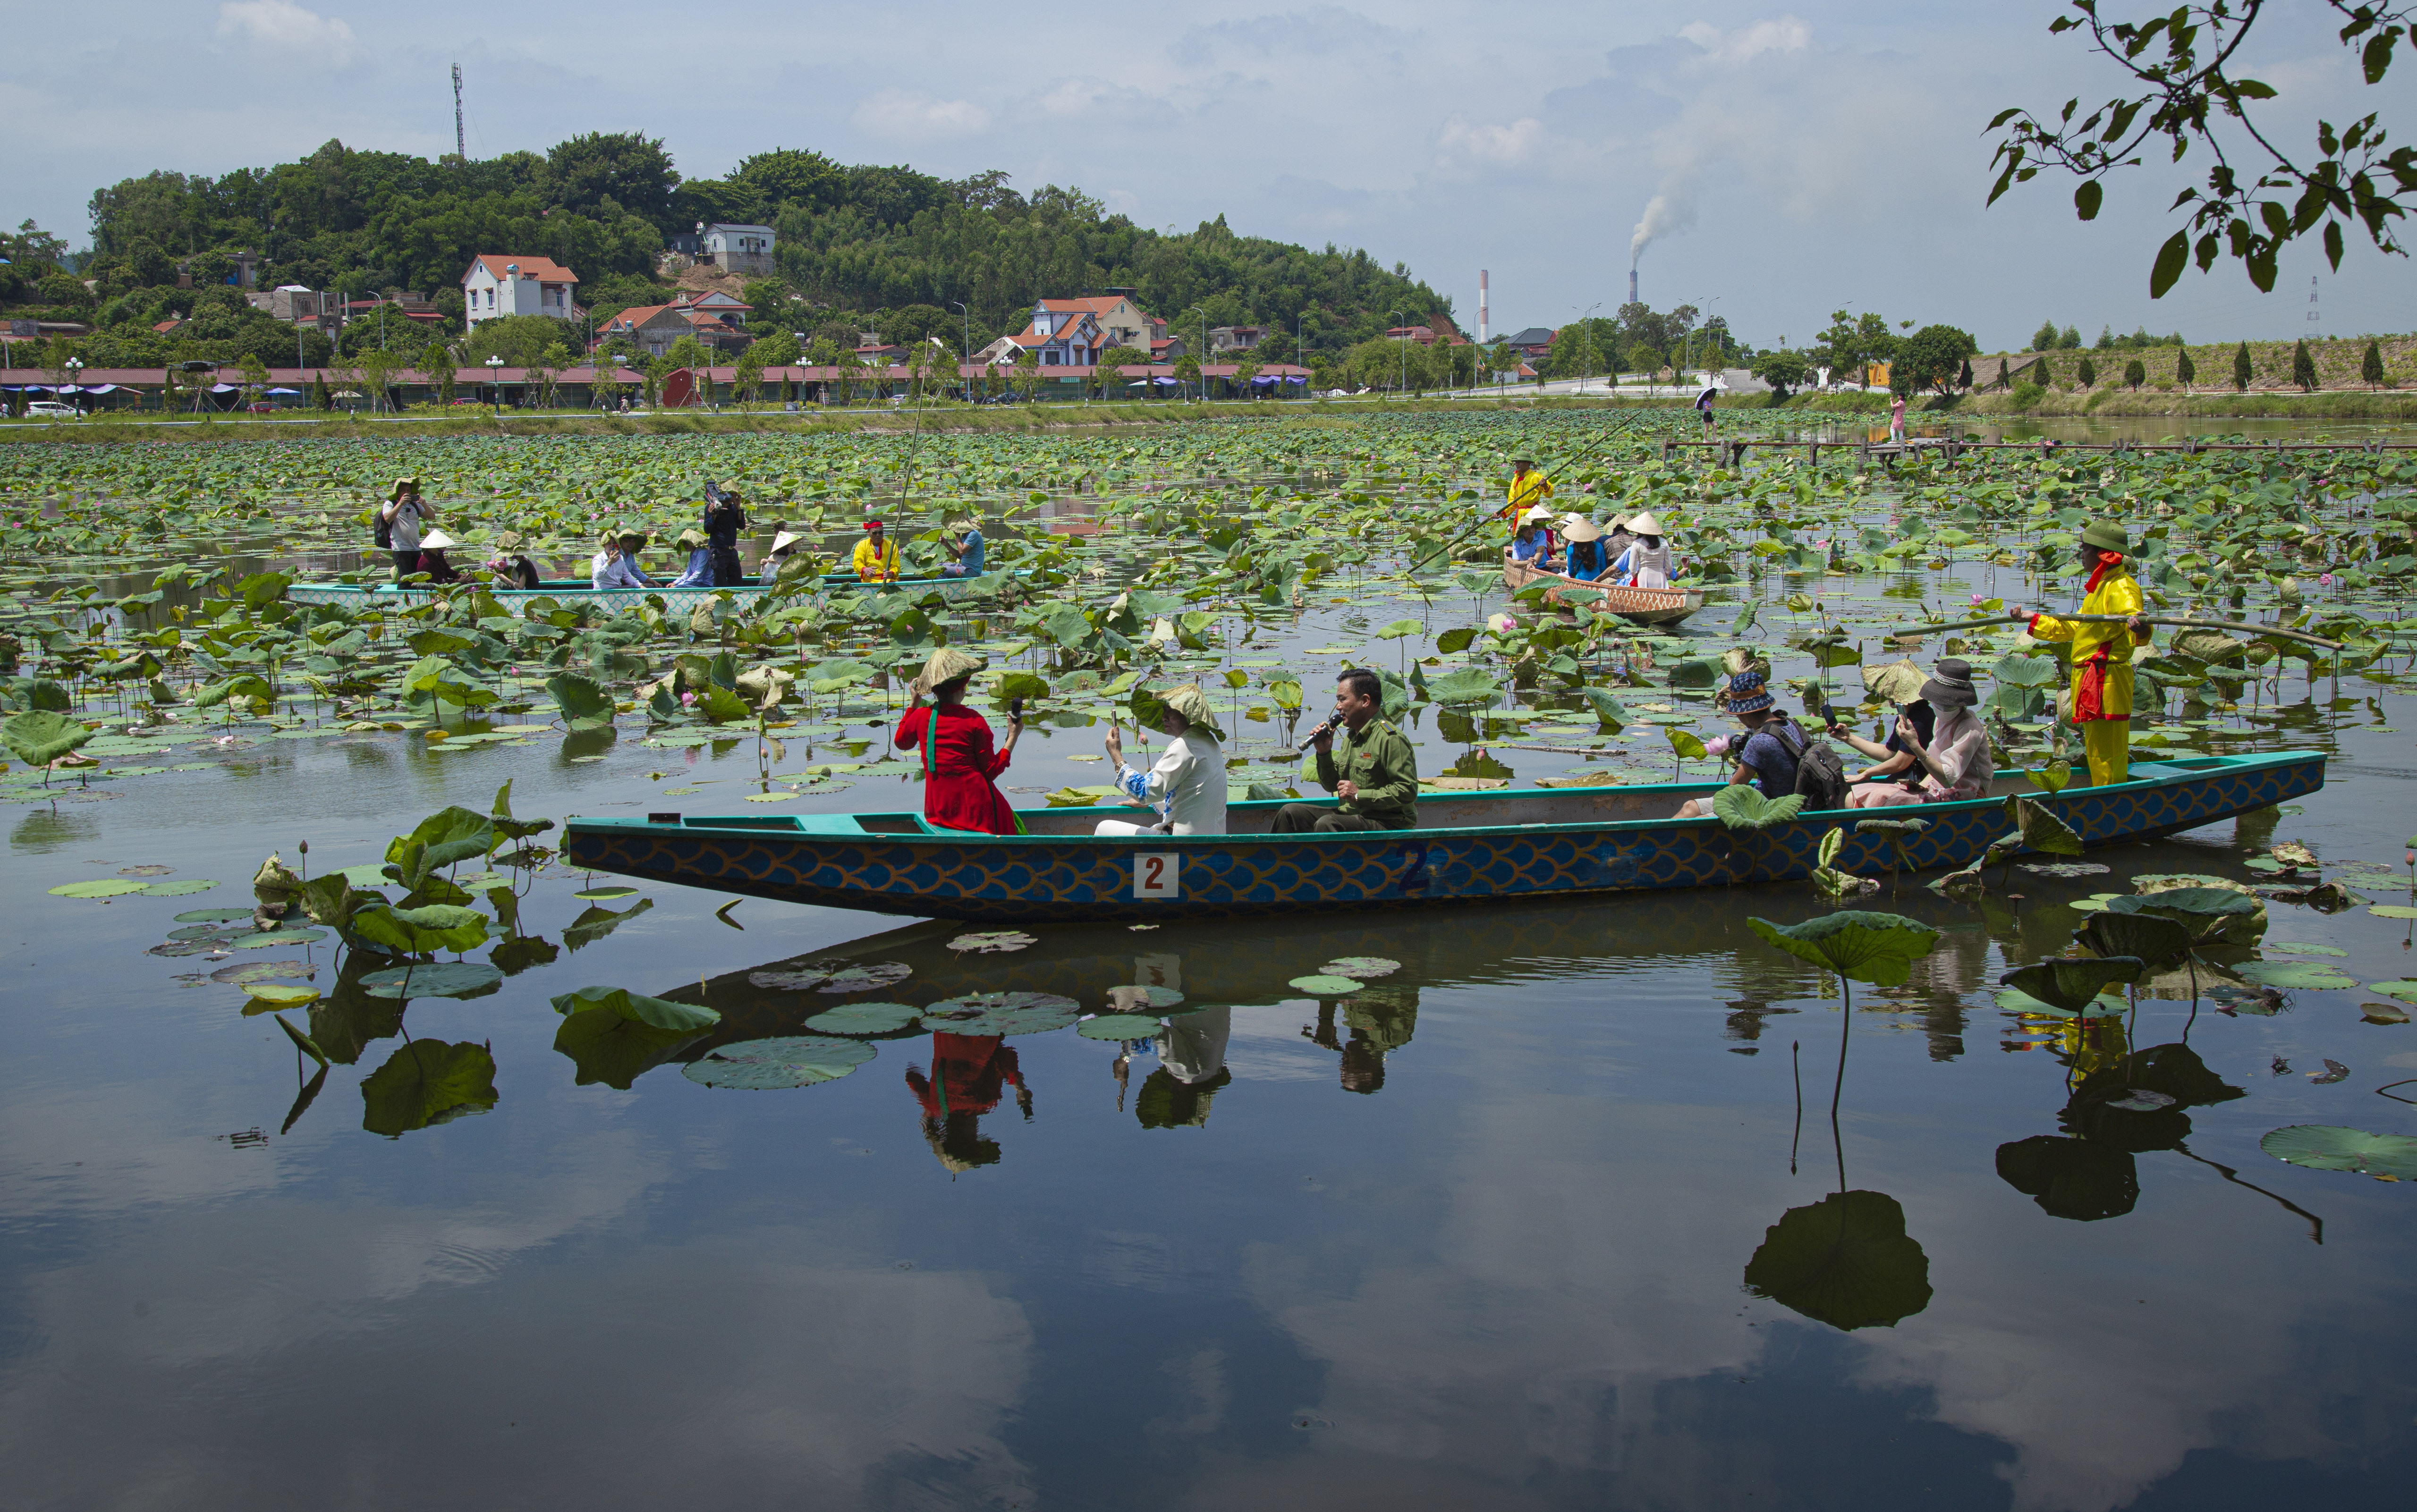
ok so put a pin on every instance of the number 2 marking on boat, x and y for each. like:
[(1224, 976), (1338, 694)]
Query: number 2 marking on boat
[(1158, 874)]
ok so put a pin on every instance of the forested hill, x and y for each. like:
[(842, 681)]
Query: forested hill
[(864, 241)]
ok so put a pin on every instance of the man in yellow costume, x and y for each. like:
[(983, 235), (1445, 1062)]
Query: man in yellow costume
[(2102, 654), (1528, 489), (876, 559)]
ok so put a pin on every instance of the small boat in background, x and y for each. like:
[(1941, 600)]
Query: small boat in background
[(1516, 843), (1644, 606)]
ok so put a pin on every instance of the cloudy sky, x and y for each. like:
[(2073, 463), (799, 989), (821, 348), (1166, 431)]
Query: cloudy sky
[(1806, 156)]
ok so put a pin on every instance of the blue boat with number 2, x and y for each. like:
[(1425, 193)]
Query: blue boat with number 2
[(1471, 848)]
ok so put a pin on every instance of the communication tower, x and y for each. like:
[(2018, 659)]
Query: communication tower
[(461, 138)]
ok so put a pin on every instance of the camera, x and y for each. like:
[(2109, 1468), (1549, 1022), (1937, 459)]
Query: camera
[(1015, 709)]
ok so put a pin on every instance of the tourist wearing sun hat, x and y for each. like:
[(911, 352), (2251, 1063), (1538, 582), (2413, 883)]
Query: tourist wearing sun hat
[(1767, 755), (1586, 559), (1646, 563), (1954, 756), (963, 540), (402, 515), (1187, 785), (699, 571), (432, 548), (610, 567), (875, 557), (725, 516), (953, 742), (2102, 653)]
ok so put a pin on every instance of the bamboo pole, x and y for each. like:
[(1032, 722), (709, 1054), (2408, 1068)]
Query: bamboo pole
[(2318, 641)]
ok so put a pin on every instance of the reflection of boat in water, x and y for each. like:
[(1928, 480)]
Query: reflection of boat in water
[(1473, 847), (1644, 606)]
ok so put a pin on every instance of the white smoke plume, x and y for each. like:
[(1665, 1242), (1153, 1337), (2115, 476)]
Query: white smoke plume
[(1672, 210)]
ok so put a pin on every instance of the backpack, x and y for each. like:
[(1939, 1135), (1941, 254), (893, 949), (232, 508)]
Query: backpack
[(383, 530), (1820, 777)]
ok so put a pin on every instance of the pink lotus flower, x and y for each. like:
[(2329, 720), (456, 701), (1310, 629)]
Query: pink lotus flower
[(1717, 746), (2327, 579), (1976, 600), (689, 698)]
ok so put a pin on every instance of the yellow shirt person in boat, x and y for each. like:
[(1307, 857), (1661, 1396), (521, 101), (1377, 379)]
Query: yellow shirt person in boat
[(1528, 489), (876, 559), (2102, 654)]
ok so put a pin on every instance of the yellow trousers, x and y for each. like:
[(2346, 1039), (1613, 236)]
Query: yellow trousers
[(2107, 746)]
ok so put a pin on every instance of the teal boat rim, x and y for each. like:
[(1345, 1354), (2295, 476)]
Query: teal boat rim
[(844, 825)]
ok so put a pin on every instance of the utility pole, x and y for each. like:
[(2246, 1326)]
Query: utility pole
[(461, 138)]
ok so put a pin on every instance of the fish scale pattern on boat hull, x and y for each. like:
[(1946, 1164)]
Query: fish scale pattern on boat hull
[(1045, 879)]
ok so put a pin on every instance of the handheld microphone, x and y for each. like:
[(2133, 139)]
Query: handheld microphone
[(1320, 732)]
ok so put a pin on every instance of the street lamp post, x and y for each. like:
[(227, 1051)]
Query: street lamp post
[(1405, 387), (1586, 341), (1201, 362), (1299, 354), (75, 380), (964, 349), (495, 379)]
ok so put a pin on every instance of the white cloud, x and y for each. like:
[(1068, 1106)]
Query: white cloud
[(1507, 145), (1785, 34), (281, 23), (897, 112)]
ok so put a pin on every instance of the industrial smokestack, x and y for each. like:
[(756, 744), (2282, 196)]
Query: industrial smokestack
[(1484, 315), (1631, 283)]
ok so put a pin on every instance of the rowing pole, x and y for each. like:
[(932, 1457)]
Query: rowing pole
[(2318, 641)]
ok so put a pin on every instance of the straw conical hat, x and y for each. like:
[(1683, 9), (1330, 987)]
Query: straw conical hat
[(1644, 524), (1579, 528), (947, 665), (1188, 700), (435, 541)]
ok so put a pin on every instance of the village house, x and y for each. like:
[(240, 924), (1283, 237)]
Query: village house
[(1535, 342), (498, 284), (1075, 333), (711, 316), (746, 251), (1224, 339)]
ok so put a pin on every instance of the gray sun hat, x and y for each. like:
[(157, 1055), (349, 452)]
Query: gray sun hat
[(1951, 684)]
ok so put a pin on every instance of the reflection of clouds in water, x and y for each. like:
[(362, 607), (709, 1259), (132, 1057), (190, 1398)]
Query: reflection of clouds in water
[(1584, 1274), (814, 1379)]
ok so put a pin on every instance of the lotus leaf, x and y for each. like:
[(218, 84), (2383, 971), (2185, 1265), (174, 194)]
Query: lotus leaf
[(994, 941), (777, 1063), (2405, 991), (103, 887), (594, 923), (1739, 806), (2152, 938), (451, 833), (2071, 1178), (2071, 983), (864, 1019), (1002, 1013), (1857, 944), (1363, 967), (1118, 1026), (436, 978), (38, 738), (1323, 985), (2041, 829), (583, 701), (1463, 686), (2296, 976), (2332, 1147)]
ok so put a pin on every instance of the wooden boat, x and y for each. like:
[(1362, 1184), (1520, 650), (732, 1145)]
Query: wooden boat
[(569, 591), (1471, 847), (1644, 606)]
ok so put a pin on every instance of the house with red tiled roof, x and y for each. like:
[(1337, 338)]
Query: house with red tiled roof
[(1073, 332), (498, 283), (711, 316)]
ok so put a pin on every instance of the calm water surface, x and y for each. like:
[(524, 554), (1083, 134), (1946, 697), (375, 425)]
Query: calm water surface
[(1476, 1237)]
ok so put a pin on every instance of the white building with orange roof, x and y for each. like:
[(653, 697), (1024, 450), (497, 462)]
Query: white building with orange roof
[(1075, 333), (498, 283)]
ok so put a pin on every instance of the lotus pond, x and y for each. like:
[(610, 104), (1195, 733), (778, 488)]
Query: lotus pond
[(417, 1159)]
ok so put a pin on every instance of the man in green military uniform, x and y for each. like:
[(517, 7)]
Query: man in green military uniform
[(1372, 768)]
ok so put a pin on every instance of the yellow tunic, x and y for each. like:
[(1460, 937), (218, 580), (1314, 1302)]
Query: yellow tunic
[(2102, 672), (876, 565), (1526, 494)]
